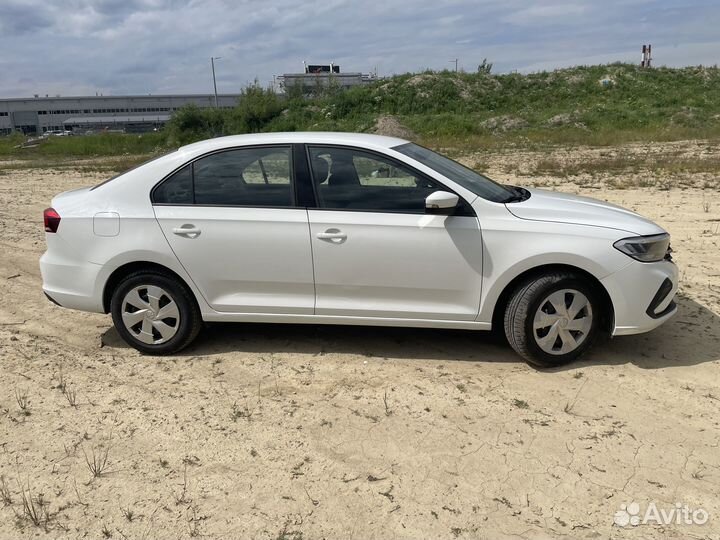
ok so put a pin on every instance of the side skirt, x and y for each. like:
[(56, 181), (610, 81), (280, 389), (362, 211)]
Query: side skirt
[(332, 319)]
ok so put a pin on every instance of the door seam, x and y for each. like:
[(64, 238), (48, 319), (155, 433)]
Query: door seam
[(312, 261), (189, 275)]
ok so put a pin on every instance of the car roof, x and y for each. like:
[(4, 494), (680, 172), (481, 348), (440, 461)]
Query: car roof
[(310, 137)]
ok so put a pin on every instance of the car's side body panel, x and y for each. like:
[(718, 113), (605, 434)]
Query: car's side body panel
[(514, 246), (397, 265), (79, 262), (250, 260)]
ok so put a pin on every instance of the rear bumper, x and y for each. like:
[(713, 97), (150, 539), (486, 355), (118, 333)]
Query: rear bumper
[(642, 295), (71, 284)]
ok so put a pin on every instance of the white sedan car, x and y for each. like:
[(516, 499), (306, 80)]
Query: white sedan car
[(339, 228)]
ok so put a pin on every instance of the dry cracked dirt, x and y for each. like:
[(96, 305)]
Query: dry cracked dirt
[(304, 432)]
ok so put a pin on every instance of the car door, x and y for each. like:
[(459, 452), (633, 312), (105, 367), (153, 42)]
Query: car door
[(377, 253), (230, 218)]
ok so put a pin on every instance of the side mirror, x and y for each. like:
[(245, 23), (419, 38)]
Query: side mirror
[(441, 202)]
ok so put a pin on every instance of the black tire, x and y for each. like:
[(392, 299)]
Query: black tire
[(190, 320), (525, 302)]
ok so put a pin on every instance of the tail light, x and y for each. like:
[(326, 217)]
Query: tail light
[(51, 219)]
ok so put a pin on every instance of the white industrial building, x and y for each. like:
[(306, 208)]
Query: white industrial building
[(322, 76), (34, 116)]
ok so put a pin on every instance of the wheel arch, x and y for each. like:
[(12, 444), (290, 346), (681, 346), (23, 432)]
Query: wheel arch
[(608, 320), (137, 266)]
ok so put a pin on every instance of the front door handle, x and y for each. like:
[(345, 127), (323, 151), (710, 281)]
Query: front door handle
[(333, 235), (188, 230)]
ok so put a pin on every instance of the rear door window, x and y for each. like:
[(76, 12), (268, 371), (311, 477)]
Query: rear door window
[(244, 177), (259, 177)]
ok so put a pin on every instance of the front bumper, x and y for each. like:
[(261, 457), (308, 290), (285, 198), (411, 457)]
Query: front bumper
[(642, 295)]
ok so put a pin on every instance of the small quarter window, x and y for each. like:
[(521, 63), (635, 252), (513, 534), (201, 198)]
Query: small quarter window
[(177, 189)]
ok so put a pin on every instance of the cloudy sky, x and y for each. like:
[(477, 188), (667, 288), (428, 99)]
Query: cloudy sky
[(74, 47)]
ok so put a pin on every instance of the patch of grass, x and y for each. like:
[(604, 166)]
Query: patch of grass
[(237, 412), (182, 497), (70, 395), (284, 534), (388, 410), (35, 509), (8, 144), (5, 494), (660, 165), (23, 402), (98, 458), (520, 404), (128, 513), (106, 144)]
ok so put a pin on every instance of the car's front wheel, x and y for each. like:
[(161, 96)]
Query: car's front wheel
[(155, 313), (553, 319)]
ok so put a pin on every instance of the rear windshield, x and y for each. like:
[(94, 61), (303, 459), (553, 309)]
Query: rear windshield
[(132, 169), (477, 183)]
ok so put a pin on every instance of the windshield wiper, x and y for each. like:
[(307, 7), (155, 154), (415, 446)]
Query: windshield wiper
[(519, 195)]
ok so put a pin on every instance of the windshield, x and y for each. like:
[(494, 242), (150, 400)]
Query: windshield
[(477, 183)]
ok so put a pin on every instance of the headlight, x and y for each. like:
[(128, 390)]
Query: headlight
[(645, 248)]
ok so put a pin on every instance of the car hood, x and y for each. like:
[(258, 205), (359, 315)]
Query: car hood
[(565, 208)]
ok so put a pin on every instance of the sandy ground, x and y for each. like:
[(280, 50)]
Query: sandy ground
[(262, 431)]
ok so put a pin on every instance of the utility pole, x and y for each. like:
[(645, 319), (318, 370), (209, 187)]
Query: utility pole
[(456, 64), (212, 63)]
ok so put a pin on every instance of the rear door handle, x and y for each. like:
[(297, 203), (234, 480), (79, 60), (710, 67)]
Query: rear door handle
[(188, 230), (333, 235)]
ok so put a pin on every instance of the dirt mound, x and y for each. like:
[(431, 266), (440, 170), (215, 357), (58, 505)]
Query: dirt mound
[(562, 119), (575, 79), (504, 123), (390, 126), (421, 78), (686, 116)]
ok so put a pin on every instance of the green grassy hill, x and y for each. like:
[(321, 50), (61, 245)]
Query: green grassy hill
[(589, 104), (601, 104), (597, 105)]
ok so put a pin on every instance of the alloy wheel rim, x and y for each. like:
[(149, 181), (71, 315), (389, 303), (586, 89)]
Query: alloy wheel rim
[(150, 314), (562, 322)]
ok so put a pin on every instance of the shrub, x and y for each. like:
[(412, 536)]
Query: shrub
[(191, 123), (256, 108)]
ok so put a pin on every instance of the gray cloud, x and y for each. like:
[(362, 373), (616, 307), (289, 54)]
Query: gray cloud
[(18, 18), (154, 46)]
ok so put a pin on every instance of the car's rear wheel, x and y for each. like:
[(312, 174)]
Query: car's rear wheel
[(553, 319), (155, 313)]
